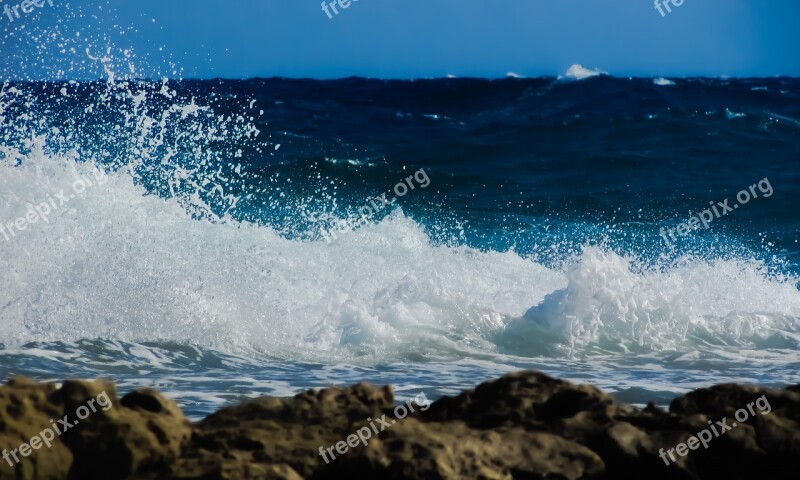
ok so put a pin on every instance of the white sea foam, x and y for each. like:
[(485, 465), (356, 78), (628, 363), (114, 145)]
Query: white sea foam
[(663, 82), (579, 72), (122, 264), (610, 304)]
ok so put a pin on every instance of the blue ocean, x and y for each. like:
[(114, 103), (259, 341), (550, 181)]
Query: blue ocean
[(224, 239)]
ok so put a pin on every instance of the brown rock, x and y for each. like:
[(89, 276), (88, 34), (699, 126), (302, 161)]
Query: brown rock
[(451, 450), (523, 425), (25, 411), (141, 433)]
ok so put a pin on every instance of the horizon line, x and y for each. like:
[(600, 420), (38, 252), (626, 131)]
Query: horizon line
[(411, 79)]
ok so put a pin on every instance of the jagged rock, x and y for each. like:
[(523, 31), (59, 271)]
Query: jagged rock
[(524, 425), (116, 439), (451, 450), (141, 433), (527, 398), (26, 408), (275, 431)]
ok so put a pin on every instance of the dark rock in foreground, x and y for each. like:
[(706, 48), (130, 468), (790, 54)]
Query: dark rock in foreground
[(523, 426)]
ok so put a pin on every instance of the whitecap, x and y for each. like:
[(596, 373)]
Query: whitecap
[(579, 72)]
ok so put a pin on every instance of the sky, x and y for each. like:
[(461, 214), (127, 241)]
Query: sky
[(416, 38)]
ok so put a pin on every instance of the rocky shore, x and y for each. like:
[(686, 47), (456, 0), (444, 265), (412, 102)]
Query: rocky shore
[(524, 425)]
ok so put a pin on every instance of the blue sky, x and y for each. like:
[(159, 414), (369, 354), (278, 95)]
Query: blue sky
[(434, 38)]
